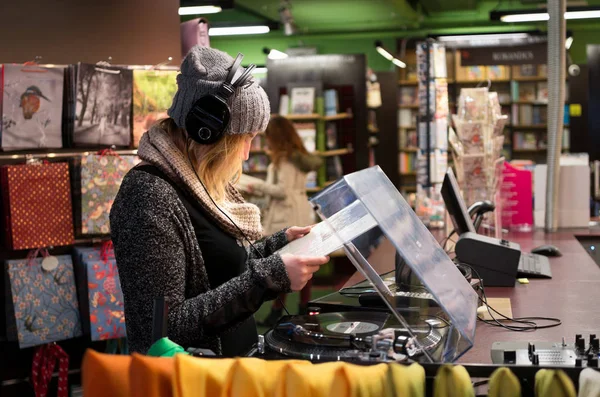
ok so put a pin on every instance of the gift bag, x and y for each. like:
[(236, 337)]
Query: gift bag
[(101, 298), (101, 177), (104, 100), (153, 92), (42, 306), (37, 201), (32, 107)]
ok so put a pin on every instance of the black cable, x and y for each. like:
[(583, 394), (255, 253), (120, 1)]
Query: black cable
[(531, 325), (230, 220)]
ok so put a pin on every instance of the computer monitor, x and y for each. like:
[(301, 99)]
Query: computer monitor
[(455, 205)]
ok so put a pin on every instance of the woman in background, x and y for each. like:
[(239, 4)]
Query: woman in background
[(285, 188)]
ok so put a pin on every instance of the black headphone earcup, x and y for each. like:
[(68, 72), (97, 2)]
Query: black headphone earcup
[(207, 120)]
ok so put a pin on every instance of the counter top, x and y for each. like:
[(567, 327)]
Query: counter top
[(572, 295)]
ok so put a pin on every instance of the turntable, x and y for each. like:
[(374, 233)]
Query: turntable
[(408, 329), (352, 336)]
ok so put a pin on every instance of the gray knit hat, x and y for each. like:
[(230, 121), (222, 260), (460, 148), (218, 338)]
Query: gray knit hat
[(203, 71)]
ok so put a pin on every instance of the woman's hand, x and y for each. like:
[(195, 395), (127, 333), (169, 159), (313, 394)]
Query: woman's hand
[(295, 232), (300, 269)]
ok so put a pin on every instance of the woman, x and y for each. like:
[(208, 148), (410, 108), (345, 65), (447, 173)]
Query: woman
[(286, 188), (180, 230)]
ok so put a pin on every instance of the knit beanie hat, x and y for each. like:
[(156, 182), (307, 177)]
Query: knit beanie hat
[(203, 71)]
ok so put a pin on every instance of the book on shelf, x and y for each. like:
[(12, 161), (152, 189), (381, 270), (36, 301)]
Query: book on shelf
[(331, 102), (567, 115), (258, 163), (542, 92), (407, 118), (302, 100), (258, 143), (284, 105), (409, 95), (526, 115), (407, 162), (540, 115), (526, 92), (332, 136), (334, 168), (438, 135), (308, 134), (525, 141), (498, 72)]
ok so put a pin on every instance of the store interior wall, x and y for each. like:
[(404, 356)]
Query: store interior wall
[(71, 31)]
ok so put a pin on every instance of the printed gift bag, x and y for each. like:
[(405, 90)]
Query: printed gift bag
[(101, 177), (37, 201), (43, 304), (32, 107), (104, 99), (100, 293), (153, 92)]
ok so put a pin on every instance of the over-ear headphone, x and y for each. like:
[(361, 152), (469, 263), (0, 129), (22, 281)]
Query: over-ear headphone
[(210, 115)]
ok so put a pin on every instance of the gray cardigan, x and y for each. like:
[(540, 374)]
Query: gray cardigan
[(157, 254)]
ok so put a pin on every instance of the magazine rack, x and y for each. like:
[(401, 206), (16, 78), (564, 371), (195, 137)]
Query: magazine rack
[(368, 197)]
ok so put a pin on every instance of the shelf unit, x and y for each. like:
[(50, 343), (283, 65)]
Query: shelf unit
[(456, 80)]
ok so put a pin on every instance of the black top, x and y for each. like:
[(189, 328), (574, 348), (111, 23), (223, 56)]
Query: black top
[(224, 259)]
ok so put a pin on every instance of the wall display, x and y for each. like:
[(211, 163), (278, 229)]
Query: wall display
[(42, 306), (104, 100), (101, 177), (153, 92), (32, 104), (37, 204)]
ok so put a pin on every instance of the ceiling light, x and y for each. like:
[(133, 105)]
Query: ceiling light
[(238, 30), (495, 36), (542, 15), (535, 17), (199, 10), (384, 53), (398, 63), (569, 42), (589, 14), (274, 54)]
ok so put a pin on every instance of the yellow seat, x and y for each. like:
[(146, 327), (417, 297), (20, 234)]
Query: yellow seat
[(151, 376), (105, 374), (199, 377)]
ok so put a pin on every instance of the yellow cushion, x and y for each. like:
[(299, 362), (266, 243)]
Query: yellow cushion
[(503, 383), (407, 381), (552, 383), (151, 376), (105, 374), (198, 377), (453, 381)]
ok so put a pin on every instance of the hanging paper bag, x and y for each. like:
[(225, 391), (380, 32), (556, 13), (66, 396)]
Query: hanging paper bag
[(43, 305), (37, 204), (100, 293), (101, 177)]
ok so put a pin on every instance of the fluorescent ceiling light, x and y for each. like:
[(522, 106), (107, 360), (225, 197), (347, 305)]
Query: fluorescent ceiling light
[(495, 36), (589, 14), (544, 16), (199, 10), (385, 54), (536, 17), (238, 30), (398, 63), (276, 54), (569, 42)]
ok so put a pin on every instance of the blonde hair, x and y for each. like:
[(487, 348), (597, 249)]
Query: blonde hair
[(216, 165)]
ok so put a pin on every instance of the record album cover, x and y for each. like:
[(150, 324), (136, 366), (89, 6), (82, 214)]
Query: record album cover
[(104, 100), (32, 104)]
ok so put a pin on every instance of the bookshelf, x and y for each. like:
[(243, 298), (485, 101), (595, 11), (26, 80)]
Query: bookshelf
[(522, 91)]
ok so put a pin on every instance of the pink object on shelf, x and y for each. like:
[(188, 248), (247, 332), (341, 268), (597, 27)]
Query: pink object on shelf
[(517, 198)]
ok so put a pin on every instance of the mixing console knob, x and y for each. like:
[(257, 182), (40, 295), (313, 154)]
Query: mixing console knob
[(530, 349), (592, 337), (577, 337), (535, 359), (595, 344), (578, 362), (592, 360), (580, 344)]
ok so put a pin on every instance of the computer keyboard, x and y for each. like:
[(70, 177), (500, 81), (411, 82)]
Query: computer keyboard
[(532, 265)]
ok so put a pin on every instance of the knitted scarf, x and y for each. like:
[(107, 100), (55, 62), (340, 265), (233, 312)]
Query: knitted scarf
[(157, 148)]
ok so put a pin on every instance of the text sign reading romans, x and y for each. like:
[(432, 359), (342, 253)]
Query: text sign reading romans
[(535, 54)]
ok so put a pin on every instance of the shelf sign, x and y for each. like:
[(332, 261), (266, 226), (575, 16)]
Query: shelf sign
[(533, 54)]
